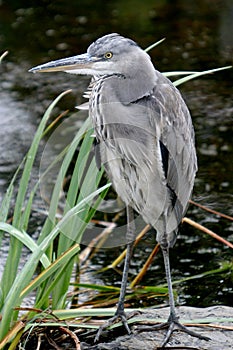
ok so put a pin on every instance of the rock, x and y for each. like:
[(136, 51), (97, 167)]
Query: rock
[(213, 317)]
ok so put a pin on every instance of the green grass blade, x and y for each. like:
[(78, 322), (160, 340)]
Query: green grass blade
[(58, 264), (76, 186), (23, 278), (79, 168), (100, 288), (28, 209), (54, 202), (64, 241), (198, 74), (3, 55), (25, 239), (149, 48), (5, 206), (83, 183), (75, 229), (29, 162), (172, 74), (75, 313), (11, 266), (225, 266)]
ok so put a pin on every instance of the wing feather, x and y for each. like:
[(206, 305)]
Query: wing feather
[(147, 147)]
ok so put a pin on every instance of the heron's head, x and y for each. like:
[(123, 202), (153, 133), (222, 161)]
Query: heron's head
[(110, 54)]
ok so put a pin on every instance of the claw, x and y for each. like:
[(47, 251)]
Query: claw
[(123, 318), (175, 323), (172, 324)]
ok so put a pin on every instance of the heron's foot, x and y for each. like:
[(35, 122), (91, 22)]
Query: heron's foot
[(171, 325), (119, 316)]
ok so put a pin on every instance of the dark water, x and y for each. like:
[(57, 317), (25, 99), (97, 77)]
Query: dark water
[(198, 37)]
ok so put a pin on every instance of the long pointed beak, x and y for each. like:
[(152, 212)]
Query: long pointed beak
[(70, 64)]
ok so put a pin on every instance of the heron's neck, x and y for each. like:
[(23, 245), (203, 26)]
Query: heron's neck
[(128, 87)]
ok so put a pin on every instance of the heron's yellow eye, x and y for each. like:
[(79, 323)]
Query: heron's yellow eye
[(108, 55)]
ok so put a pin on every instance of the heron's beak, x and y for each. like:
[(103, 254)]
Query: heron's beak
[(70, 64)]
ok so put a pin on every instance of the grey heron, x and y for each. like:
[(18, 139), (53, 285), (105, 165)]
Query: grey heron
[(145, 140)]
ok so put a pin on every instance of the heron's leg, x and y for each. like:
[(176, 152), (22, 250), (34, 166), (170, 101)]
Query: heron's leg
[(172, 317), (120, 313), (166, 259), (130, 237), (173, 320)]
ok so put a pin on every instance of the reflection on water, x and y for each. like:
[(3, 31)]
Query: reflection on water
[(198, 37)]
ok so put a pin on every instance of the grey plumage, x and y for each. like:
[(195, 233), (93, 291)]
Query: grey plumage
[(145, 140), (144, 129)]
